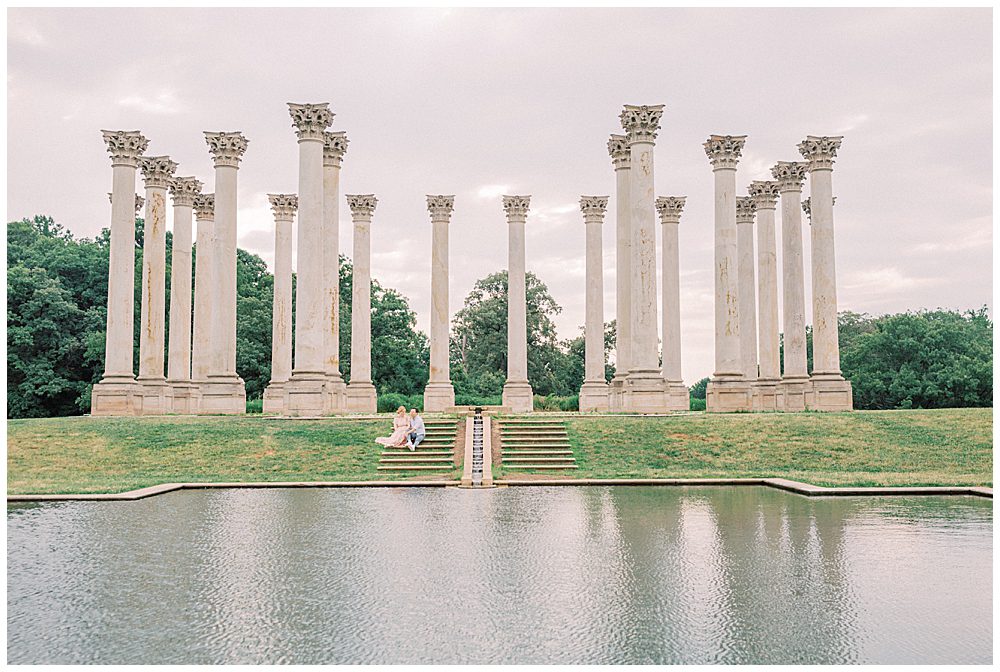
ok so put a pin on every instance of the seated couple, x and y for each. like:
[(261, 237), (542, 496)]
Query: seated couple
[(406, 430)]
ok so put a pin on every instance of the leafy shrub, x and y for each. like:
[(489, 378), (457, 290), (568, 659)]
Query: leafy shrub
[(255, 405), (478, 400), (390, 401), (697, 404), (554, 402)]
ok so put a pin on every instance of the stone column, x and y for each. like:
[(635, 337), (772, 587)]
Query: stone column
[(645, 390), (116, 393), (224, 391), (830, 392), (439, 393), (306, 392), (795, 377), (361, 394), (157, 173), (621, 157), (204, 273), (283, 206), (334, 149), (670, 208), (728, 389), (594, 393), (745, 211), (765, 388), (517, 393), (181, 397)]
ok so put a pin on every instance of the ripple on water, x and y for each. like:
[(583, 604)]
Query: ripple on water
[(527, 575)]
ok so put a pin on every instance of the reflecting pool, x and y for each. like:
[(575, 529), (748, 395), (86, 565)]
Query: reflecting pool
[(559, 575)]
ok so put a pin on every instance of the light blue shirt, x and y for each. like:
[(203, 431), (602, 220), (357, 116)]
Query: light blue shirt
[(417, 425)]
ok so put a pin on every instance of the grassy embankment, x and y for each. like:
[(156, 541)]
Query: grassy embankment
[(945, 447)]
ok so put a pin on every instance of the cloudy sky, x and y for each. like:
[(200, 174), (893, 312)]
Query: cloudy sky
[(479, 103)]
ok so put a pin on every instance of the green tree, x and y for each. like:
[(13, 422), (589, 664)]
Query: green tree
[(698, 390)]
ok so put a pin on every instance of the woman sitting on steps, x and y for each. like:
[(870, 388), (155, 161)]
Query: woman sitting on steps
[(400, 431)]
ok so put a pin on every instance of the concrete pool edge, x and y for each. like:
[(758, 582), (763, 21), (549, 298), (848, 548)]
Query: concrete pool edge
[(796, 487)]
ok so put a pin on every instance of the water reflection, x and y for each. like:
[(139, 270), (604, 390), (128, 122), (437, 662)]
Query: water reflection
[(565, 575)]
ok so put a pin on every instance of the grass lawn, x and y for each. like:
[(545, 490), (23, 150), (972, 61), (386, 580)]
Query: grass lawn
[(939, 447), (84, 455)]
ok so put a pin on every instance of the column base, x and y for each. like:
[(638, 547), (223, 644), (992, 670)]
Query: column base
[(678, 396), (361, 398), (115, 396), (594, 397), (154, 395), (728, 394), (181, 397), (645, 392), (336, 394), (765, 394), (615, 389), (830, 392), (793, 394), (306, 395), (518, 396), (274, 397), (438, 397), (222, 395)]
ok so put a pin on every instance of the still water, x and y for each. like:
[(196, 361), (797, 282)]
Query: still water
[(560, 575)]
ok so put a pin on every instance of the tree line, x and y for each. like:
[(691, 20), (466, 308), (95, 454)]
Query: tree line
[(57, 310)]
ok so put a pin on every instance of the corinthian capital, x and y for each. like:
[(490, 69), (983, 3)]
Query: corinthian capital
[(157, 171), (310, 119), (820, 150), (764, 193), (745, 209), (641, 122), (790, 174), (724, 151), (334, 147), (204, 206), (621, 157), (125, 147), (283, 206), (593, 207), (362, 205), (184, 190), (516, 207), (670, 208), (440, 206), (226, 147)]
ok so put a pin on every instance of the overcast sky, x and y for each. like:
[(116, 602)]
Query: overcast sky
[(480, 103)]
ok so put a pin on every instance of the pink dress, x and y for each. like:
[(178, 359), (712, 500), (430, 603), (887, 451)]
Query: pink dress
[(400, 426)]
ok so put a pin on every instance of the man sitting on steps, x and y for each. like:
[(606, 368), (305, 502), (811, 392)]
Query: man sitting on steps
[(417, 431)]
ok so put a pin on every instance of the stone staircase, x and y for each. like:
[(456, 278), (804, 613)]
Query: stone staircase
[(435, 454), (535, 444)]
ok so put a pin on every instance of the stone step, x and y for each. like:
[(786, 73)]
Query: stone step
[(525, 460), (519, 453), (414, 467), (533, 424), (534, 432), (540, 466), (418, 451), (535, 442), (415, 460)]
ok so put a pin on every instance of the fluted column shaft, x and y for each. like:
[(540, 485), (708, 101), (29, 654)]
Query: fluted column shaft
[(334, 148), (361, 301), (281, 324), (309, 307), (748, 288), (594, 324), (183, 191), (517, 315), (621, 157), (204, 281), (793, 284), (645, 351), (224, 311), (670, 216), (440, 370), (727, 325), (121, 276), (157, 172), (765, 195)]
